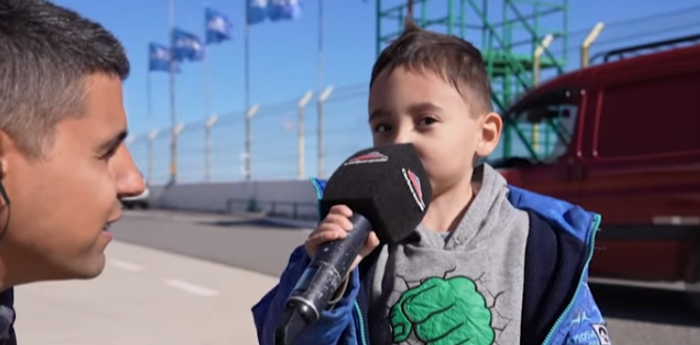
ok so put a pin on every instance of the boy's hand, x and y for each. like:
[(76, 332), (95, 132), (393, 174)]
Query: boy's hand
[(336, 226)]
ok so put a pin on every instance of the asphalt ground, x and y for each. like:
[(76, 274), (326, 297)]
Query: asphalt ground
[(185, 278)]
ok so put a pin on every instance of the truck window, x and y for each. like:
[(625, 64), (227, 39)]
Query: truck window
[(649, 117), (556, 114), (564, 125)]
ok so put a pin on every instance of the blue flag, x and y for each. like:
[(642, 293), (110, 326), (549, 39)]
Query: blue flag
[(283, 10), (187, 46), (257, 11), (274, 10), (159, 58), (218, 26)]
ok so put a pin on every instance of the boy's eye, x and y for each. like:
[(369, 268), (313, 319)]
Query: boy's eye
[(427, 121), (382, 128)]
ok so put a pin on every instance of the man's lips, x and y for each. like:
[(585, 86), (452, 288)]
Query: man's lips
[(110, 222)]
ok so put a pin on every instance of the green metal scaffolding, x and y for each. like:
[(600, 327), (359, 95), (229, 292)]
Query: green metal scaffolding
[(508, 33)]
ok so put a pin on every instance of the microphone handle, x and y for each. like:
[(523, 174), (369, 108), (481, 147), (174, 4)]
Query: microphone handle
[(320, 281)]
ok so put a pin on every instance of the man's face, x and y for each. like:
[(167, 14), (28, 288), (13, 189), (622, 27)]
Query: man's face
[(62, 204), (423, 109)]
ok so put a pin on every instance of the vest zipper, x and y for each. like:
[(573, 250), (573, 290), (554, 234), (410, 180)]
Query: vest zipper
[(591, 247), (359, 321)]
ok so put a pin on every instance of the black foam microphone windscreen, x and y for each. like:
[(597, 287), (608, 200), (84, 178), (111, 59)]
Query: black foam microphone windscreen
[(386, 184), (388, 191)]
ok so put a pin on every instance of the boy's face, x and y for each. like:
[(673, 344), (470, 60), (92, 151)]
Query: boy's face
[(423, 109)]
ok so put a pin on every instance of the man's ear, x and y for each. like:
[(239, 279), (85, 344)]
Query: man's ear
[(4, 165), (491, 127)]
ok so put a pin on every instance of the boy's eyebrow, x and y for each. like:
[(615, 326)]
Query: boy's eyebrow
[(378, 113), (423, 107), (418, 108)]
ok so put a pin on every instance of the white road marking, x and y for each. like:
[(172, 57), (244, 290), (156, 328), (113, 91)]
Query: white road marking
[(51, 310), (191, 288), (127, 266)]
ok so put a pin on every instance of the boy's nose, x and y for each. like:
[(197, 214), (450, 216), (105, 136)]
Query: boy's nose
[(402, 138)]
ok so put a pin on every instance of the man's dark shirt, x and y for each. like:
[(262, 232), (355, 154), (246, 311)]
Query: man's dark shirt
[(7, 318)]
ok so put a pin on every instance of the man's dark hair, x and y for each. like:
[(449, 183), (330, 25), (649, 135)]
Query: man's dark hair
[(452, 58), (46, 53)]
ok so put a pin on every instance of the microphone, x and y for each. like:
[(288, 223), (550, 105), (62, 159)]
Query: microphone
[(388, 191)]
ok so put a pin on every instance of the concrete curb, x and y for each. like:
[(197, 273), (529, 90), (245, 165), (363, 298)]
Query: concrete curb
[(300, 224), (169, 214)]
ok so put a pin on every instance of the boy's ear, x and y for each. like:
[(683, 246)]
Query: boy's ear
[(491, 127)]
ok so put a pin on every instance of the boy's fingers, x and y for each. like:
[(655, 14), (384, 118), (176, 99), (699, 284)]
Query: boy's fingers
[(341, 210), (373, 240), (329, 226), (371, 243), (326, 236), (322, 236), (339, 220), (329, 235)]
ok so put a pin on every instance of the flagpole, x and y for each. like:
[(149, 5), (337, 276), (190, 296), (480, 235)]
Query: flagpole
[(320, 46), (173, 114), (207, 83), (208, 116), (319, 92), (149, 93), (246, 87)]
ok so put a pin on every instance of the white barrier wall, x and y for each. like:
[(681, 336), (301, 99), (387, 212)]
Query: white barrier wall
[(291, 197)]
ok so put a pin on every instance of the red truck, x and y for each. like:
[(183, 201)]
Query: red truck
[(628, 147)]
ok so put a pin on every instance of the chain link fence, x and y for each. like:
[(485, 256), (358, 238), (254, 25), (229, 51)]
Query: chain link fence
[(215, 150)]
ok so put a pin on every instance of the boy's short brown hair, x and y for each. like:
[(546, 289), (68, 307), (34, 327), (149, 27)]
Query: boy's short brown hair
[(452, 58)]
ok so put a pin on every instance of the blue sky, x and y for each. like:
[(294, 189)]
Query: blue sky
[(283, 67)]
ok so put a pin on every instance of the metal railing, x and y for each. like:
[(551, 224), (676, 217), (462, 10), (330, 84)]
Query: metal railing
[(284, 144), (266, 142), (306, 211)]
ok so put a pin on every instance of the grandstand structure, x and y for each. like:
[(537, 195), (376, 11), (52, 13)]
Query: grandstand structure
[(508, 33)]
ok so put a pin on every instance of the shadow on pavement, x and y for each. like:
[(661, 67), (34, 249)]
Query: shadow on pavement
[(647, 305)]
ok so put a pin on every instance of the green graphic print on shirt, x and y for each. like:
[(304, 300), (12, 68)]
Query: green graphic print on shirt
[(443, 311)]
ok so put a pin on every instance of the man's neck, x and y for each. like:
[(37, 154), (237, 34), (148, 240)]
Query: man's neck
[(4, 283)]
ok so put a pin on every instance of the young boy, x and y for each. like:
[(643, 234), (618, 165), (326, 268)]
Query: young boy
[(490, 263)]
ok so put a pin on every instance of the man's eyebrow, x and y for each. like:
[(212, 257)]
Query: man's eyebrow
[(114, 141)]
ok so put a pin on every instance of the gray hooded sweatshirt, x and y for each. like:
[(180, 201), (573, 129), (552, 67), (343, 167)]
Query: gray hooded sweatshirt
[(463, 287)]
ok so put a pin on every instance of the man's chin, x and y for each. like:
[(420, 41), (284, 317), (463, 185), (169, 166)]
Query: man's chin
[(84, 269), (95, 270), (89, 270)]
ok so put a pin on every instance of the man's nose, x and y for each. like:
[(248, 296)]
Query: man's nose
[(131, 184), (130, 181)]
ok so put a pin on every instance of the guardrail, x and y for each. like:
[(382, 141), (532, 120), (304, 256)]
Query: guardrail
[(281, 209)]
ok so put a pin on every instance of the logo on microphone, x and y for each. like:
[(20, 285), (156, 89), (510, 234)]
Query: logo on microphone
[(414, 185), (372, 157)]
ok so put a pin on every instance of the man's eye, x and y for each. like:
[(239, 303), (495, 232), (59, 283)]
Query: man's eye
[(109, 154)]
